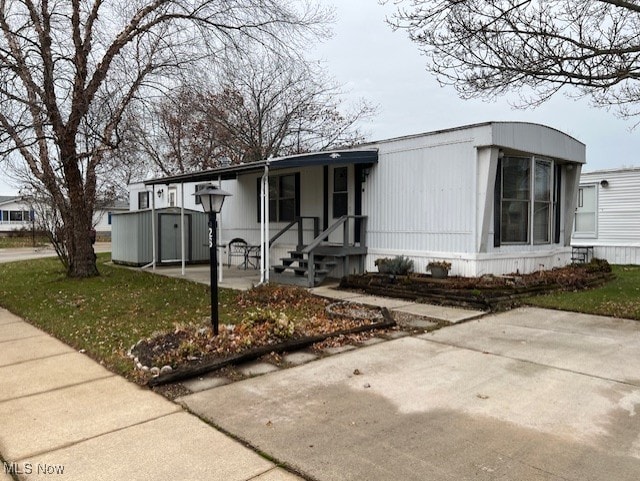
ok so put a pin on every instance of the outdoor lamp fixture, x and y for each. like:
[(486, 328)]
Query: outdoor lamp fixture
[(212, 199)]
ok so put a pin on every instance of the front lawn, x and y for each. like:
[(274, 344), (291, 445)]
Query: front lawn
[(619, 297), (105, 315), (168, 319)]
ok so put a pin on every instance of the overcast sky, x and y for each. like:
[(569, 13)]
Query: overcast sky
[(376, 63), (384, 67)]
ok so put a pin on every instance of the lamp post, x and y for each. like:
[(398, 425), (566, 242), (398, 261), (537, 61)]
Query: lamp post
[(212, 199)]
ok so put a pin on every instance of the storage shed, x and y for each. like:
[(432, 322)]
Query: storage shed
[(133, 234)]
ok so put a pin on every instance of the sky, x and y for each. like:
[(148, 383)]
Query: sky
[(384, 67)]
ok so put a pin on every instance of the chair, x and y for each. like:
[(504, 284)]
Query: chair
[(237, 248)]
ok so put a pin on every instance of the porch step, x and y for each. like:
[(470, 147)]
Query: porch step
[(298, 264), (320, 263), (581, 254)]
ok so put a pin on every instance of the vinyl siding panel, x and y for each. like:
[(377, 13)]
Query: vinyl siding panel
[(421, 198), (617, 215)]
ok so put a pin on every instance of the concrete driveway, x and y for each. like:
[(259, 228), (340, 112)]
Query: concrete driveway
[(530, 394)]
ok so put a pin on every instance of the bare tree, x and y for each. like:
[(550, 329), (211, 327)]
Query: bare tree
[(71, 71), (253, 107), (535, 48)]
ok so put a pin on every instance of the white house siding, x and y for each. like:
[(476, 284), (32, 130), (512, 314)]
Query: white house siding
[(13, 208), (617, 236), (419, 197), (431, 196)]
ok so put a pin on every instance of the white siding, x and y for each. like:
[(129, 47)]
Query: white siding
[(618, 215), (421, 198)]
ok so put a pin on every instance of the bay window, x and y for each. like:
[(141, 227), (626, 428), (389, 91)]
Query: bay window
[(525, 201)]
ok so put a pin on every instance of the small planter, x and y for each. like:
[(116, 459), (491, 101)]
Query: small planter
[(439, 269), (438, 272)]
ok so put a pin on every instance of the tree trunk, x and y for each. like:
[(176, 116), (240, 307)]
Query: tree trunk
[(77, 218), (82, 258)]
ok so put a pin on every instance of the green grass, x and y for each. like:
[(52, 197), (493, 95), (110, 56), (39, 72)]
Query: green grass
[(619, 297), (105, 315), (22, 241)]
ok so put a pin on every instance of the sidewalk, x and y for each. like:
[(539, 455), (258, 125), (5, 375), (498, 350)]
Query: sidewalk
[(452, 315), (64, 416)]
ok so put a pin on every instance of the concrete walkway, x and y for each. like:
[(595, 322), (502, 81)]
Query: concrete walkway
[(234, 278), (452, 315), (63, 416)]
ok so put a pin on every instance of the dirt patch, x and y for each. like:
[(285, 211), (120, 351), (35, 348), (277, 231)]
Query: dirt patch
[(486, 292)]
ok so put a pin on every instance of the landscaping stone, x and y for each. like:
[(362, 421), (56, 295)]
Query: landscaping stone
[(421, 323), (297, 358), (205, 382), (257, 368)]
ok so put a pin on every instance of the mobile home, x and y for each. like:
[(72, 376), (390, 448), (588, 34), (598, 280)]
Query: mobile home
[(491, 198)]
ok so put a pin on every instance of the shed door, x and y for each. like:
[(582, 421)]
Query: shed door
[(169, 247)]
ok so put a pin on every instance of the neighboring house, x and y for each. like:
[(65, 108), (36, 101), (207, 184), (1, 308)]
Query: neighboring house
[(491, 198), (607, 215), (103, 217), (16, 214)]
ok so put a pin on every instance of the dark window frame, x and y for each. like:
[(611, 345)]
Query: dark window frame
[(276, 201), (501, 237), (143, 199), (340, 192)]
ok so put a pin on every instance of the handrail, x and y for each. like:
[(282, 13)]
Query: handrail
[(297, 220), (285, 229), (318, 240)]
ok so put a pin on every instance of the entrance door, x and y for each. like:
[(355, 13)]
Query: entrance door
[(340, 199), (169, 243)]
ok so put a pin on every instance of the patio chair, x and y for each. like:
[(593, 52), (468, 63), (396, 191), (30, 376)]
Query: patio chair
[(237, 248)]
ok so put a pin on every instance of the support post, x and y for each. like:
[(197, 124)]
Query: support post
[(213, 263)]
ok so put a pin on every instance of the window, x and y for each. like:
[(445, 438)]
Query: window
[(542, 203), (173, 195), (526, 201), (585, 220), (143, 200), (284, 197), (340, 192), (17, 216), (515, 200)]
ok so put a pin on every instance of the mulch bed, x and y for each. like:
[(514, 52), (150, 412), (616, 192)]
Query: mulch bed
[(486, 292), (275, 319)]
